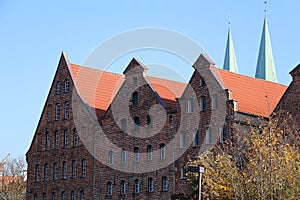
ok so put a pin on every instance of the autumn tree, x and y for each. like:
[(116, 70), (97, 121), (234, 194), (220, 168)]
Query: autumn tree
[(12, 179), (262, 162)]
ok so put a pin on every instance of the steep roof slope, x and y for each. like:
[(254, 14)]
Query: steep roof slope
[(254, 96), (98, 88)]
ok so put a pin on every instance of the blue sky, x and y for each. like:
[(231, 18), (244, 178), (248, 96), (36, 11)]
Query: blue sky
[(34, 33)]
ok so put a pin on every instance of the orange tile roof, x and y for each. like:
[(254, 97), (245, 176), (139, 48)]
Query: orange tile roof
[(98, 88), (254, 96)]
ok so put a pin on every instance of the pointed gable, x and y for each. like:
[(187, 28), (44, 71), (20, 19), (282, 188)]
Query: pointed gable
[(135, 66), (265, 68), (230, 59)]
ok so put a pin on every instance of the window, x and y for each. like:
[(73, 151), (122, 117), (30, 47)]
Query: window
[(58, 88), (56, 142), (67, 86), (214, 102), (197, 138), (123, 187), (136, 186), (37, 173), (182, 140), (75, 137), (83, 168), (202, 82), (150, 185), (135, 82), (209, 136), (65, 139), (72, 195), (165, 184), (136, 123), (66, 112), (47, 142), (110, 157), (73, 169), (124, 156), (44, 196), (183, 173), (149, 152), (149, 121), (63, 195), (190, 106), (82, 195), (162, 151), (223, 134), (64, 170), (46, 172), (124, 125), (36, 197), (53, 196), (109, 189), (202, 104), (136, 154), (57, 111), (55, 169), (135, 98)]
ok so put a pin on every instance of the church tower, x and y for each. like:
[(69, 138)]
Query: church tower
[(230, 59), (265, 68)]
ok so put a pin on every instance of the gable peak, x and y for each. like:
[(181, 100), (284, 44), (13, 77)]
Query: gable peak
[(203, 61), (134, 67)]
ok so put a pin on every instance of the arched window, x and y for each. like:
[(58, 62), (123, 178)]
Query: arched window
[(124, 156), (56, 138), (123, 187), (37, 173), (136, 123), (73, 169), (36, 197), (53, 196), (67, 86), (109, 189), (55, 169), (72, 195), (136, 154), (136, 186), (190, 106), (63, 195), (82, 195), (64, 170), (75, 138), (162, 151), (65, 139), (44, 196), (110, 157), (83, 168), (46, 172), (165, 184), (150, 185), (66, 111), (135, 98), (57, 111), (149, 152), (58, 88)]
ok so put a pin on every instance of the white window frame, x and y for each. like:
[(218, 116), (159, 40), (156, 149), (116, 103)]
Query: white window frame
[(55, 170), (64, 170), (73, 169), (57, 111), (63, 195), (214, 102), (56, 138), (183, 173), (136, 186), (111, 157), (149, 152), (183, 140), (208, 136), (53, 196), (37, 173), (82, 196), (124, 156), (123, 187), (191, 106), (46, 172), (67, 86), (58, 88), (136, 154), (72, 195), (75, 138), (162, 151), (150, 185), (44, 196)]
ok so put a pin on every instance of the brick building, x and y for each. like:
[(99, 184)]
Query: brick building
[(109, 136)]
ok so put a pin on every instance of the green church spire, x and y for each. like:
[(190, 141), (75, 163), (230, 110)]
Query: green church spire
[(265, 68), (230, 59)]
